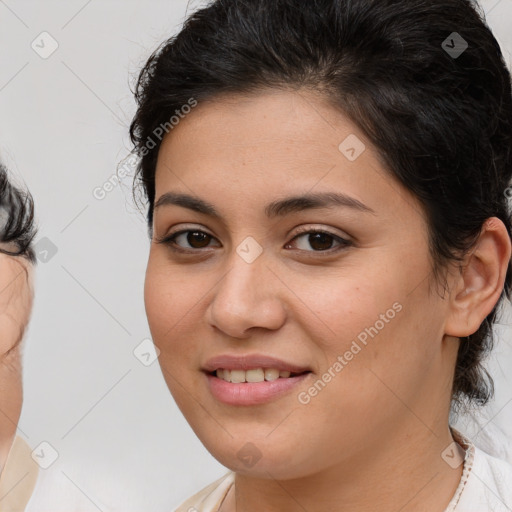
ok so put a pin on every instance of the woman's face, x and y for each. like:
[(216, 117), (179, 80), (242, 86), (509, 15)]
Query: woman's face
[(16, 296), (348, 311)]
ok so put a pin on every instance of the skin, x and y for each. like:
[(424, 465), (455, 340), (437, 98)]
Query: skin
[(372, 438), (16, 297)]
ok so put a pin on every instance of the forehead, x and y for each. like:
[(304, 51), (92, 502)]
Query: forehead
[(272, 144), (278, 120), (275, 135)]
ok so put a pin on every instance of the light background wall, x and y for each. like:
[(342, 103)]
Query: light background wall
[(122, 442)]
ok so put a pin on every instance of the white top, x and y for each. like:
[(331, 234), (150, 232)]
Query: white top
[(486, 482), (485, 486), (26, 486), (18, 478)]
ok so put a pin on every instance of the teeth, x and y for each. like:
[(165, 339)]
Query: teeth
[(237, 376), (271, 374), (257, 375), (253, 375)]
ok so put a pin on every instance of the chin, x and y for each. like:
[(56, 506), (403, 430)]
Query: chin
[(260, 459)]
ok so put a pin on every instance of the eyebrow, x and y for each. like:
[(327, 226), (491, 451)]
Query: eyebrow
[(278, 208)]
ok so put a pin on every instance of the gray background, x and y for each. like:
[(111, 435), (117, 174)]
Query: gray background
[(122, 442)]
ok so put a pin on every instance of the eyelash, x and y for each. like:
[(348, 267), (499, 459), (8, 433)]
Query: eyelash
[(171, 243)]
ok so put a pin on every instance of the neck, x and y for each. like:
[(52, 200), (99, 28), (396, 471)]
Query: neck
[(404, 471)]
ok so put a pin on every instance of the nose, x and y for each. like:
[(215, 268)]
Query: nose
[(248, 296)]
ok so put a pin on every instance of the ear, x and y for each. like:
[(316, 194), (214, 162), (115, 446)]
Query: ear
[(479, 285)]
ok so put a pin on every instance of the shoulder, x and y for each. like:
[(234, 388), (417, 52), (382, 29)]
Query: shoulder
[(64, 485), (18, 477), (209, 498), (488, 485)]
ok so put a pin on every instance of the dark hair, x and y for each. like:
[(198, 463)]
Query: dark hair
[(441, 122), (17, 225)]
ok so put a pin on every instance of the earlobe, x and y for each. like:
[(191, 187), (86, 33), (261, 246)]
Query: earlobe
[(482, 276)]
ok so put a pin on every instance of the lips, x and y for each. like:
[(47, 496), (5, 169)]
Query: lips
[(251, 380)]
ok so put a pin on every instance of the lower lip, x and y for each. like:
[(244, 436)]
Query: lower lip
[(252, 393)]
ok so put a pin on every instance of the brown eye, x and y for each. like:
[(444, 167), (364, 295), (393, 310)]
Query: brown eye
[(319, 241), (197, 239), (187, 240)]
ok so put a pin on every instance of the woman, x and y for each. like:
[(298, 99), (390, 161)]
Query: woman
[(331, 240), (17, 258)]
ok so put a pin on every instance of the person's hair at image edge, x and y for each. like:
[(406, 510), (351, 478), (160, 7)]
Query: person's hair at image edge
[(442, 126), (17, 231)]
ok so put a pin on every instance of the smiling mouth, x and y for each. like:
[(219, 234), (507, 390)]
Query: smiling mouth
[(253, 375)]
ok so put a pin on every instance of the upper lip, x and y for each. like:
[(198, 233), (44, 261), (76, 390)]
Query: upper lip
[(248, 362)]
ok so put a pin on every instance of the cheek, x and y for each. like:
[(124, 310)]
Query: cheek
[(373, 327), (165, 296), (166, 307), (14, 316), (373, 299), (171, 305), (379, 359), (343, 307), (11, 332)]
